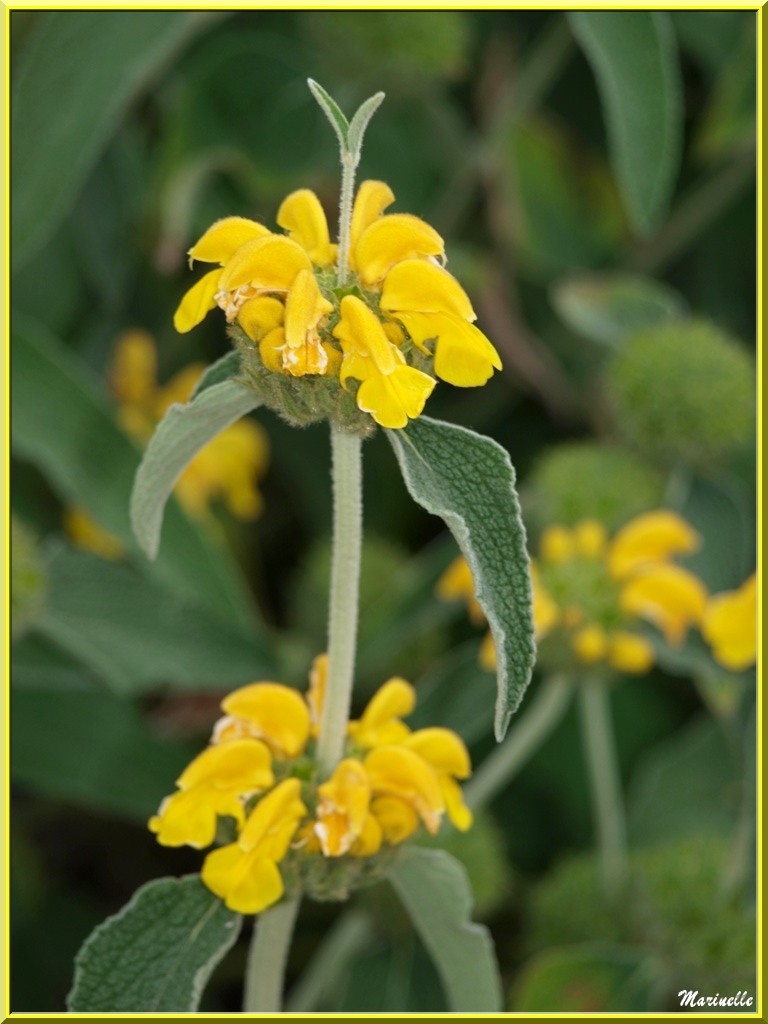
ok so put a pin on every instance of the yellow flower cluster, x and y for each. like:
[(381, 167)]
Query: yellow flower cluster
[(398, 307), (258, 771), (730, 626), (593, 592)]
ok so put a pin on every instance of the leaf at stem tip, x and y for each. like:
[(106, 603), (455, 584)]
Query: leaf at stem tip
[(634, 58), (184, 431), (468, 481), (157, 953), (434, 889), (360, 122), (332, 111)]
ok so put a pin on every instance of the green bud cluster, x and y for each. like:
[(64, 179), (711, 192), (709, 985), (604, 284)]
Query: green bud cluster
[(683, 391)]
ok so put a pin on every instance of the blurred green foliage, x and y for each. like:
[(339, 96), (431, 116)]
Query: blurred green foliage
[(618, 286)]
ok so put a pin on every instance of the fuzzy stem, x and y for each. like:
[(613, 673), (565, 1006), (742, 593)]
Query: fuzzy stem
[(348, 169), (605, 781), (546, 709), (344, 596), (267, 958)]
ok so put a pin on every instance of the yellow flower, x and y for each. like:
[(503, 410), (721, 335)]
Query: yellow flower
[(245, 873), (397, 773), (456, 583), (318, 680), (448, 757), (594, 591), (730, 626), (380, 722), (215, 784), (88, 535), (400, 307), (270, 712), (342, 809)]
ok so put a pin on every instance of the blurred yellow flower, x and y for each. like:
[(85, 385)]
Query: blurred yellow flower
[(730, 626), (591, 591), (259, 771), (400, 307)]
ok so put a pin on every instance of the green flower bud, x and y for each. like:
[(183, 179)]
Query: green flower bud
[(590, 480), (683, 391), (29, 581)]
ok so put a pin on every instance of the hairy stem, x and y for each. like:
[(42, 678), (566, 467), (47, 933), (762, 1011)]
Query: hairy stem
[(546, 709), (348, 168), (344, 596), (267, 958), (605, 783)]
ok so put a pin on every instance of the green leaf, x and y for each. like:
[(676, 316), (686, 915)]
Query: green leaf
[(360, 122), (469, 481), (435, 891), (76, 77), (180, 435), (611, 306), (156, 954), (223, 369), (136, 636), (91, 749), (634, 59), (332, 111), (63, 424)]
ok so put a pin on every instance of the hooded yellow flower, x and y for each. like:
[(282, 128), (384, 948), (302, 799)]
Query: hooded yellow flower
[(593, 592), (730, 626), (399, 308), (389, 783)]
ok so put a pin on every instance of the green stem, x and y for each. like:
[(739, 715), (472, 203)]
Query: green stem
[(546, 709), (348, 169), (343, 601), (267, 958), (605, 781)]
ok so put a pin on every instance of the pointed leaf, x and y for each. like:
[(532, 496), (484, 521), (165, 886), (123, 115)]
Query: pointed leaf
[(332, 111), (468, 481), (360, 122), (157, 953), (435, 891), (184, 430), (223, 369), (635, 62)]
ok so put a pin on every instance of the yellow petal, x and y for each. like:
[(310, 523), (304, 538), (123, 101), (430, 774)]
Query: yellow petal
[(546, 613), (276, 712), (557, 545), (361, 332), (395, 398), (269, 264), (442, 749), (457, 582), (589, 538), (463, 355), (652, 537), (274, 817), (397, 820), (259, 316), (394, 700), (730, 626), (369, 840), (88, 535), (487, 654), (396, 771), (668, 596), (309, 358), (342, 807), (197, 302), (248, 883), (189, 817), (590, 644), (418, 286), (373, 197), (242, 765), (630, 653), (391, 239), (271, 349), (457, 811), (222, 239), (302, 215), (133, 374), (318, 681), (304, 308)]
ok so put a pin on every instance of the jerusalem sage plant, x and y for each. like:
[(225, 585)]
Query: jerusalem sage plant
[(299, 800)]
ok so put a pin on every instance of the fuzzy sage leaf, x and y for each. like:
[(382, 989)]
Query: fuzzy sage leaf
[(435, 891), (468, 481), (178, 438), (349, 134), (360, 122), (157, 953), (332, 111)]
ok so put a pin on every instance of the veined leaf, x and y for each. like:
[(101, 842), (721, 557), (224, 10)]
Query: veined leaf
[(157, 953), (634, 59), (434, 889), (89, 64), (184, 430), (469, 481)]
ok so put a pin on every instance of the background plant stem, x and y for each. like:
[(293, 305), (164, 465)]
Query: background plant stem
[(267, 958), (343, 599), (605, 783)]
